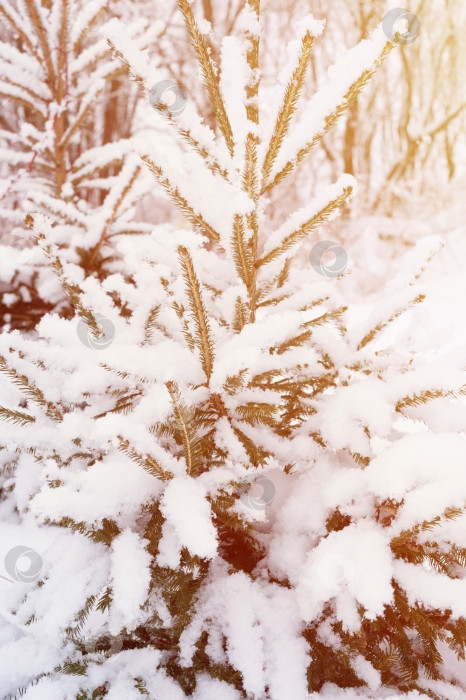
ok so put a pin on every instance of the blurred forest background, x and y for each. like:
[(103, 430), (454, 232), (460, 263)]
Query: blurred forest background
[(403, 138)]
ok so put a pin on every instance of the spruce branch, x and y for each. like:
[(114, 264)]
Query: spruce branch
[(21, 99), (405, 541), (241, 253), (251, 165), (256, 454), (16, 417), (306, 334), (150, 324), (16, 23), (92, 22), (384, 324), (34, 14), (21, 94), (198, 311), (333, 315), (429, 395), (105, 600), (302, 232), (123, 194), (124, 403), (330, 120), (192, 444), (30, 390), (241, 315), (459, 555), (255, 413), (185, 134), (288, 106), (284, 273), (82, 616), (209, 73), (73, 292), (180, 312), (233, 384), (252, 88), (195, 218), (148, 463), (125, 375), (250, 184)]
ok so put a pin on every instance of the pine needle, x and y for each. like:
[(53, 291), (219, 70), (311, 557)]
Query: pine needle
[(288, 107), (300, 234), (15, 417), (198, 311), (30, 391), (330, 120), (149, 464), (209, 73), (241, 254), (192, 444), (182, 204), (384, 324)]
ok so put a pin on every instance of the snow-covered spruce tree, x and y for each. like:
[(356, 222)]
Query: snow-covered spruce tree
[(218, 361), (56, 78)]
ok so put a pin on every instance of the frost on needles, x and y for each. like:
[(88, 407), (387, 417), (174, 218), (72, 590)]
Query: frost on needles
[(229, 366)]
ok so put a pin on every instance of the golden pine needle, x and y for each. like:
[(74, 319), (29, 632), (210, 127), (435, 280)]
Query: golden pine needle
[(198, 311), (195, 218), (175, 395), (241, 254), (307, 227), (72, 291), (250, 167), (209, 73), (17, 417), (22, 101), (250, 176), (112, 216), (41, 35), (148, 463), (240, 316), (185, 134), (330, 120), (24, 37), (30, 390), (290, 100), (383, 324), (252, 89)]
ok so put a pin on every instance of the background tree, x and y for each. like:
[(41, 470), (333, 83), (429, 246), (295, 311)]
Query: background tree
[(66, 123), (228, 364)]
